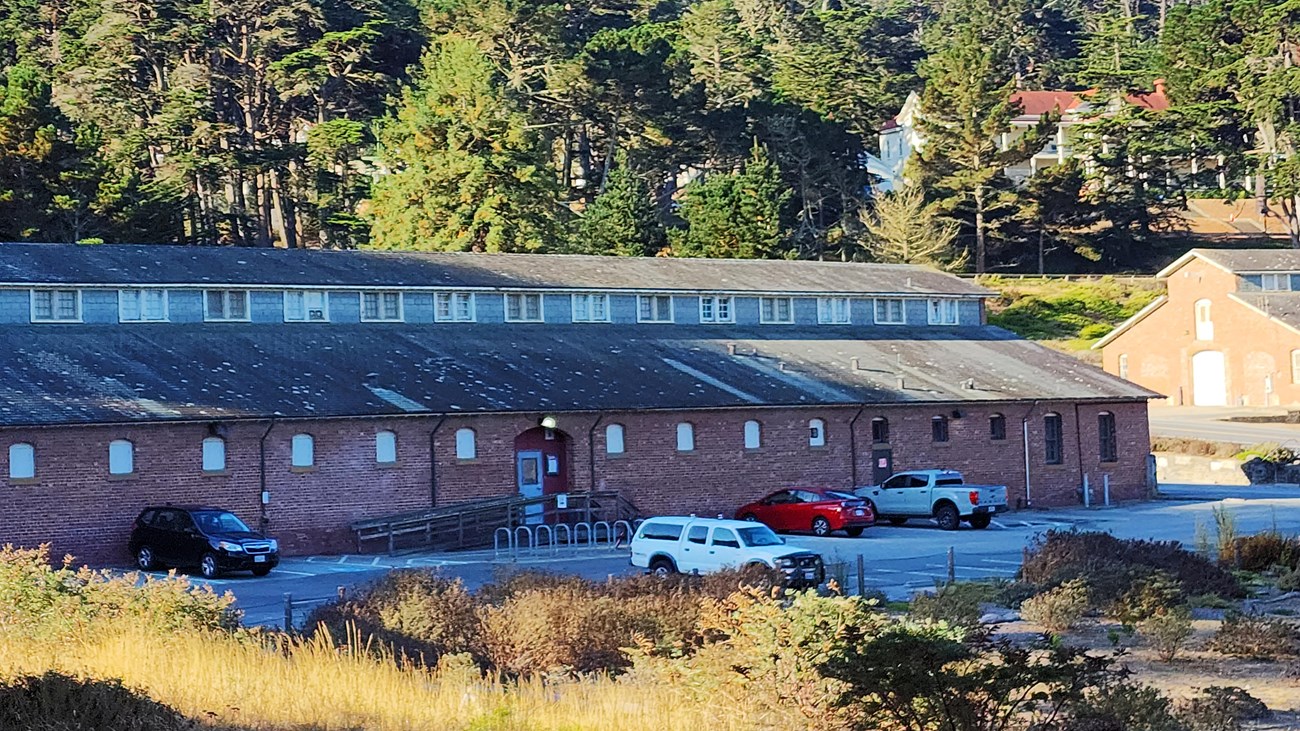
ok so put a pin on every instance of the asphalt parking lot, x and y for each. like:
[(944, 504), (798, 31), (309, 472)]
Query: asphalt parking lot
[(898, 560)]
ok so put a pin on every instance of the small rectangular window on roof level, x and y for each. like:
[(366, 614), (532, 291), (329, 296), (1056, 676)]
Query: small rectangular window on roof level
[(381, 306), (833, 310), (306, 306), (891, 312), (225, 305), (776, 310), (523, 307), (654, 308), (453, 307), (714, 309), (1276, 282), (590, 307), (142, 305), (56, 305), (943, 312)]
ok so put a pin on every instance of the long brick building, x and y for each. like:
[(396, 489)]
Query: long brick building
[(308, 389)]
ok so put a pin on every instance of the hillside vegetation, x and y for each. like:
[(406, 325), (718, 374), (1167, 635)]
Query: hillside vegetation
[(1071, 315)]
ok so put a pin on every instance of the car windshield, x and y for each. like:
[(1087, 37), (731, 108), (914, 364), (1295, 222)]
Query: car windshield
[(833, 495), (760, 535), (214, 521)]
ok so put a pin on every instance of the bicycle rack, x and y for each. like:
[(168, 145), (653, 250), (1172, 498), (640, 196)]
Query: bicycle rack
[(550, 537), (595, 533), (568, 536), (627, 531), (577, 534), (496, 542), (532, 539)]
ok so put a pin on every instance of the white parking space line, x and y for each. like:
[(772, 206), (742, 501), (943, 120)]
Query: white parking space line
[(295, 573)]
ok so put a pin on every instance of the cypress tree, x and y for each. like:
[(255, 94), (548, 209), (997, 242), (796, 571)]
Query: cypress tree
[(622, 220)]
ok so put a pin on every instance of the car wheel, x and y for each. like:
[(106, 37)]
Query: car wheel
[(897, 521), (821, 526), (947, 517), (145, 559), (662, 567), (854, 532), (208, 566), (750, 517), (261, 571), (980, 521)]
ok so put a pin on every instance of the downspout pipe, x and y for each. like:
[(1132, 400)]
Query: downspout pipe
[(1024, 432), (262, 496), (433, 464), (853, 447), (1078, 449), (591, 450)]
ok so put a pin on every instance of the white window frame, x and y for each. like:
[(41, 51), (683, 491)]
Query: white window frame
[(943, 311), (453, 301), (655, 301), (685, 437), (1204, 326), (1123, 365), (307, 305), (717, 309), (1281, 282), (139, 293), (302, 451), (54, 293), (214, 454), (227, 296), (386, 447), (615, 439), (121, 457), (775, 317), (816, 432), (1295, 366), (466, 443), (379, 302), (22, 461), (876, 311), (586, 301), (826, 310), (523, 307), (753, 434)]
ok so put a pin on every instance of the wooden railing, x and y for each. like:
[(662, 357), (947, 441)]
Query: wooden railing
[(472, 524)]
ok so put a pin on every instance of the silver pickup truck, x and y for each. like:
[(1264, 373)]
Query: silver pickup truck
[(939, 494)]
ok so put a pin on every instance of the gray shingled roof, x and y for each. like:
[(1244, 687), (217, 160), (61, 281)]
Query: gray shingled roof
[(85, 374), (1283, 307), (1254, 260), (160, 264)]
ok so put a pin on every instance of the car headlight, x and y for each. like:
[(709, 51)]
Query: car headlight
[(229, 547), (787, 563), (275, 545)]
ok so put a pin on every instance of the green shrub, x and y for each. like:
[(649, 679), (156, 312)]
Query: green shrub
[(1219, 708), (1057, 610), (1225, 531), (1289, 581), (1269, 452), (1255, 637), (1146, 597), (1125, 706), (1167, 632), (957, 604), (1263, 551), (55, 702)]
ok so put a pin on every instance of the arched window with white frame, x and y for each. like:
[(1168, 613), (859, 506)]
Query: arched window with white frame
[(214, 454), (466, 448), (1204, 322), (685, 437), (753, 434), (22, 461), (121, 457), (614, 439), (304, 450), (385, 447), (816, 433)]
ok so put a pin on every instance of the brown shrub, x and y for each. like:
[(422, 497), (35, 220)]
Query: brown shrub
[(1265, 550), (1255, 637), (1219, 708)]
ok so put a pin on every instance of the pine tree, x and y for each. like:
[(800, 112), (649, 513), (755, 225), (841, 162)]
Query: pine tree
[(1119, 51), (902, 229), (622, 220), (467, 172), (736, 215)]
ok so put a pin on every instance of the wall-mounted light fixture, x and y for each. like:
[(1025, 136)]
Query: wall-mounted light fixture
[(547, 422)]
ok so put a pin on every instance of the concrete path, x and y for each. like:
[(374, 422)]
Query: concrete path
[(898, 560)]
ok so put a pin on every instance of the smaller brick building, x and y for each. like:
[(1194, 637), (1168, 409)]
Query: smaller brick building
[(305, 390), (1225, 333)]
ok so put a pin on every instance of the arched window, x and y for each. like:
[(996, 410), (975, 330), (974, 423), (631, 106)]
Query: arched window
[(614, 439), (685, 437), (939, 428), (214, 454), (753, 435), (304, 450), (121, 457), (816, 433), (880, 430), (1123, 365), (1107, 444), (1295, 366), (1204, 325), (22, 461), (1053, 439), (385, 447), (997, 427), (465, 444)]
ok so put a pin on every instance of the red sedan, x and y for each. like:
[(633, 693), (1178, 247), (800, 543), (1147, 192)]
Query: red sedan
[(820, 511)]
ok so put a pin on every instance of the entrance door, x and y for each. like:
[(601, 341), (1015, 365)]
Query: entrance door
[(529, 466), (1209, 387), (882, 465)]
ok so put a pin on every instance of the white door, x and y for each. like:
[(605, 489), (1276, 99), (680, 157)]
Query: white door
[(724, 550), (1209, 386), (694, 552), (529, 466)]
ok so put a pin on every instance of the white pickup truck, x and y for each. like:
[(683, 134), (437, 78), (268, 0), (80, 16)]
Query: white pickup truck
[(939, 494)]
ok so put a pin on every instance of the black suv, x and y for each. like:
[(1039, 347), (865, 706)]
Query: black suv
[(213, 539)]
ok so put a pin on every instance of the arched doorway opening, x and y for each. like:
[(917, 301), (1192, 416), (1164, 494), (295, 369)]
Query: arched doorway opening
[(541, 466)]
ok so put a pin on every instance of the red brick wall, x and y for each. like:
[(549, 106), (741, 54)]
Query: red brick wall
[(76, 506), (1161, 346)]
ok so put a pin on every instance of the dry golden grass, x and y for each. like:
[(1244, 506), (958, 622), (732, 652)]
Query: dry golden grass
[(310, 685)]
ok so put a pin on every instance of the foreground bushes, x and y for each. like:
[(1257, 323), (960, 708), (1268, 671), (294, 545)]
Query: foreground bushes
[(57, 702)]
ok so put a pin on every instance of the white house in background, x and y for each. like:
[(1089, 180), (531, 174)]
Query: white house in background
[(900, 136)]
